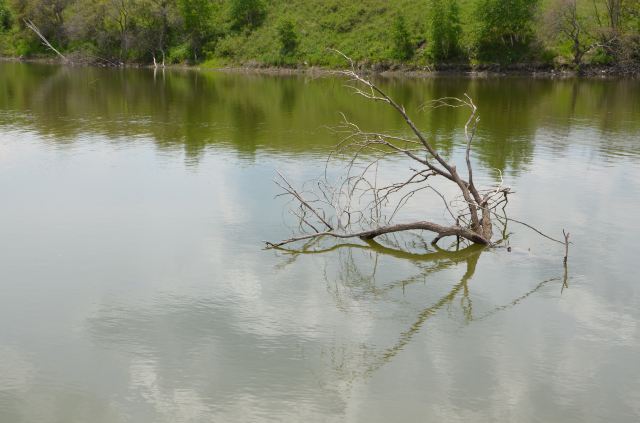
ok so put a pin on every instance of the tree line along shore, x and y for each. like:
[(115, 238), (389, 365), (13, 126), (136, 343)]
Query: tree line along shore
[(575, 35)]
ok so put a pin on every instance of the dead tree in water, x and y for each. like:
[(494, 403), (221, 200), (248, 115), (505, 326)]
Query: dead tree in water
[(328, 210)]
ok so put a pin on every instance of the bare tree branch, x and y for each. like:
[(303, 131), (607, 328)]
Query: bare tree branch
[(356, 205), (46, 42)]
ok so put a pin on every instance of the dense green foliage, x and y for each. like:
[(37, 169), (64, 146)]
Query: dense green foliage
[(445, 30), (276, 32), (504, 28), (402, 48), (196, 20), (246, 13), (5, 17), (288, 38)]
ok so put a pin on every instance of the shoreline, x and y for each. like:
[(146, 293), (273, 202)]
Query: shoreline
[(388, 71)]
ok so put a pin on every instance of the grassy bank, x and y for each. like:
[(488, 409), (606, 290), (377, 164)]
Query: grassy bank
[(381, 35)]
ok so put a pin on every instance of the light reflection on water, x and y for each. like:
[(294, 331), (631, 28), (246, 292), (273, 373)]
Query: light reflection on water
[(135, 288)]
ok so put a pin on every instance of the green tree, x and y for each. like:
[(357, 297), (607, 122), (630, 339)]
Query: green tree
[(402, 46), (5, 16), (247, 13), (567, 25), (196, 15), (47, 15), (160, 19), (288, 38), (88, 27), (445, 30), (619, 28), (504, 28)]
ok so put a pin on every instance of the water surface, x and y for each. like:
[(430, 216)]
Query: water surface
[(134, 286)]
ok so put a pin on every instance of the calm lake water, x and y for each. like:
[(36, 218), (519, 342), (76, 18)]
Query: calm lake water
[(134, 286)]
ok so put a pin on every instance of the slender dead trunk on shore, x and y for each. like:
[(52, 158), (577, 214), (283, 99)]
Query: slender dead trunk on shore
[(33, 27)]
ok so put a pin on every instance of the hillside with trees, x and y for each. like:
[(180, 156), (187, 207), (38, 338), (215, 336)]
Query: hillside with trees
[(379, 34)]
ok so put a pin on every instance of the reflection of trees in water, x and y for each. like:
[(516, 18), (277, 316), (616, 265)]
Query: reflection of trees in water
[(191, 110), (246, 119), (288, 96), (510, 120)]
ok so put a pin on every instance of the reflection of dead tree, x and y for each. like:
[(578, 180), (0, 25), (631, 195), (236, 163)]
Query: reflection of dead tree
[(427, 263), (358, 207), (566, 259), (359, 283), (359, 280), (406, 336), (521, 298)]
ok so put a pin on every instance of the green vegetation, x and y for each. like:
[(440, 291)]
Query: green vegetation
[(198, 29), (288, 38), (246, 14), (295, 32), (445, 30), (402, 47), (5, 17), (504, 29)]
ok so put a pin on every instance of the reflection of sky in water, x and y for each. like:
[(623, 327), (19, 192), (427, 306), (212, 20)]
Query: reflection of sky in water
[(134, 288)]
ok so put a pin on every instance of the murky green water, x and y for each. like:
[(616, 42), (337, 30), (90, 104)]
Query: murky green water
[(134, 286)]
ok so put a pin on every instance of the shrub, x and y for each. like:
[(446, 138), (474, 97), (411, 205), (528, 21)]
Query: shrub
[(445, 30), (402, 47), (504, 29), (5, 17), (180, 53), (288, 38)]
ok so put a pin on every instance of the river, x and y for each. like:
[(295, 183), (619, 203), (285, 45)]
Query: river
[(135, 287)]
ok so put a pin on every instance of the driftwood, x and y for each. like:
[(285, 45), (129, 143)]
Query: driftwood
[(335, 209), (329, 212)]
